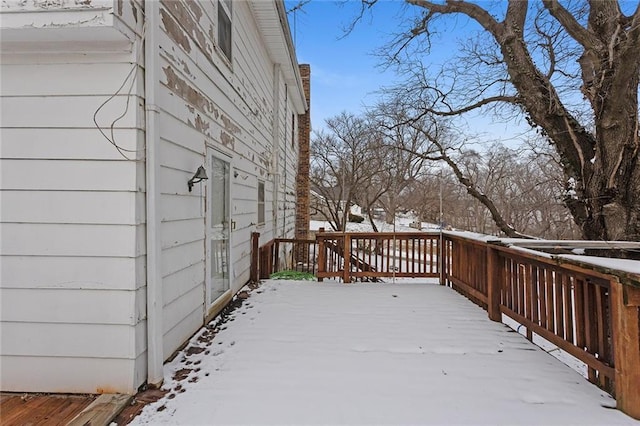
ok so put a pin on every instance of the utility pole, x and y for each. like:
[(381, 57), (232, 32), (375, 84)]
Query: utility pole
[(441, 219)]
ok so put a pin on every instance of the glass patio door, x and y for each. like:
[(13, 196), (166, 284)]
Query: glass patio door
[(218, 220)]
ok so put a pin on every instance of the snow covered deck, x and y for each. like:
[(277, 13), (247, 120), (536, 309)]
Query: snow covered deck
[(405, 353)]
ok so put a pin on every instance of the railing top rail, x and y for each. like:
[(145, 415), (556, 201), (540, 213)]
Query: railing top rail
[(572, 244), (411, 234), (293, 240), (627, 271), (471, 236)]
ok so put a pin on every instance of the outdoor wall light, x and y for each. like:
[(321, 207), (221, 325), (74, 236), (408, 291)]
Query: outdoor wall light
[(199, 176)]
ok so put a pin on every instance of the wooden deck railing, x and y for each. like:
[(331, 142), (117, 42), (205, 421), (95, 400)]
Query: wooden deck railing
[(375, 255), (282, 254), (590, 312)]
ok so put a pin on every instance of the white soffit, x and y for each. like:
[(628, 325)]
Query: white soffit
[(274, 29)]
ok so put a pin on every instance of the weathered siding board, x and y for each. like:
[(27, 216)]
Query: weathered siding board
[(177, 258), (89, 79), (200, 112), (180, 232), (69, 111), (130, 15), (174, 312), (174, 338), (211, 78), (66, 374), (178, 206), (182, 318), (61, 144), (179, 158), (175, 130), (22, 239), (201, 47), (172, 284), (79, 207), (69, 6), (68, 306), (174, 189), (140, 364), (69, 175), (86, 273), (68, 340)]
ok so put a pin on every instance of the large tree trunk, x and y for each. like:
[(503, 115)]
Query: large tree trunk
[(602, 170)]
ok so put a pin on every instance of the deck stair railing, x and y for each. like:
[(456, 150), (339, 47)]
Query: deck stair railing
[(589, 309), (335, 252)]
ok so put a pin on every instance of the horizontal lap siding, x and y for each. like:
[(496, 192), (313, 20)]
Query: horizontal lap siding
[(80, 144), (73, 234), (73, 207), (105, 307), (68, 340), (181, 151), (72, 272), (68, 374), (204, 103), (76, 240)]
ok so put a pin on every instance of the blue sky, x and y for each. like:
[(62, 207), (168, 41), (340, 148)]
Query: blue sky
[(345, 73)]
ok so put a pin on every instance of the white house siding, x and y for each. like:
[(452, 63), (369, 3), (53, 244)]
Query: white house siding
[(72, 214), (206, 102), (72, 209)]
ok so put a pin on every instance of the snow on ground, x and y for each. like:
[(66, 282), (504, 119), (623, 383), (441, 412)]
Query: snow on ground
[(405, 353), (402, 225)]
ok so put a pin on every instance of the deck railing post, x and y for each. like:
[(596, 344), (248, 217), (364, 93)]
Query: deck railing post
[(494, 283), (442, 259), (255, 256), (275, 267), (625, 324), (346, 253), (322, 267)]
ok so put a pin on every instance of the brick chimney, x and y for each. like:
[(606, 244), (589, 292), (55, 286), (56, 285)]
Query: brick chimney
[(303, 195)]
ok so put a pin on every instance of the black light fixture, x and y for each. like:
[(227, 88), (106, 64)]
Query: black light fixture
[(200, 175)]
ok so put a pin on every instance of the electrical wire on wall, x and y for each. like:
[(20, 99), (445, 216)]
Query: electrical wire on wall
[(131, 78)]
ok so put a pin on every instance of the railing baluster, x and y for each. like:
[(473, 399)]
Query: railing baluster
[(549, 302)]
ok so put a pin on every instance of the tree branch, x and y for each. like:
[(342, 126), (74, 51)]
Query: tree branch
[(580, 34), (458, 6)]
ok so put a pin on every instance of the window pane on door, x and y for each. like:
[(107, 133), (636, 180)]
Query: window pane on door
[(218, 205), (260, 203), (219, 268)]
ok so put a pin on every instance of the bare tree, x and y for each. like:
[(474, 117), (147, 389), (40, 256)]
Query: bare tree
[(524, 60), (403, 149), (344, 160), (525, 186)]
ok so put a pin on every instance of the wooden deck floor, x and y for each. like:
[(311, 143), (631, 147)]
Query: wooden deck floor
[(33, 410)]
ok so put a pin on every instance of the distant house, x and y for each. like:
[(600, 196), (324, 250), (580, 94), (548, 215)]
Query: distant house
[(111, 260)]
